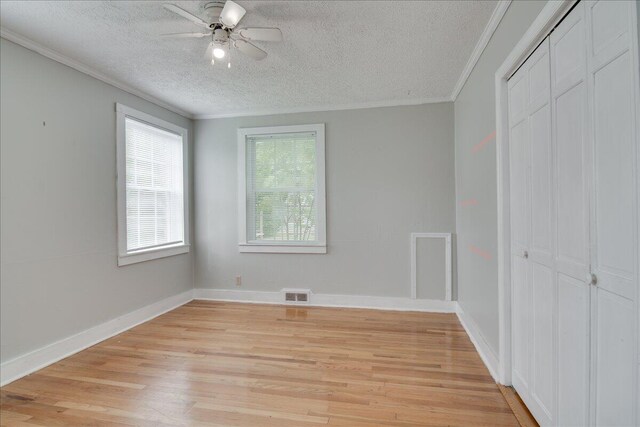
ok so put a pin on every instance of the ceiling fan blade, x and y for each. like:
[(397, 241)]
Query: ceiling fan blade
[(250, 50), (185, 35), (175, 9), (263, 34), (231, 14)]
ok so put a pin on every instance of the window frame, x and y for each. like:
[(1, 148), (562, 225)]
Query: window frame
[(318, 246), (126, 257)]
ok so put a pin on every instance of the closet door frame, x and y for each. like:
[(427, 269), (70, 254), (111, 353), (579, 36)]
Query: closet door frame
[(549, 17)]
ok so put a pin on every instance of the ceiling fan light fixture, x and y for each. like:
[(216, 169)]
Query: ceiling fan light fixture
[(218, 52)]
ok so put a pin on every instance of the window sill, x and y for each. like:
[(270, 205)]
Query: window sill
[(282, 249), (148, 255)]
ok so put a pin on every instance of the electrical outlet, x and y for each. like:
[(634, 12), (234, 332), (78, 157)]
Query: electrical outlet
[(238, 280)]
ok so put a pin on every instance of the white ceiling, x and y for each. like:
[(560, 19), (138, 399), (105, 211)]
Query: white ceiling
[(348, 53)]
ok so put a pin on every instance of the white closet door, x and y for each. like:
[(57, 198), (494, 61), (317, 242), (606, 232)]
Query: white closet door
[(575, 219), (571, 154), (614, 210), (541, 251), (532, 261), (519, 161)]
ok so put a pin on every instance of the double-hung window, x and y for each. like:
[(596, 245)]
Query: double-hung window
[(282, 189), (152, 187)]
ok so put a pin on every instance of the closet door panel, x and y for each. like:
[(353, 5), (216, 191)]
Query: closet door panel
[(573, 352), (539, 77), (614, 178), (571, 171), (614, 236), (518, 97), (541, 262), (519, 182), (541, 189), (615, 383), (570, 132), (542, 378), (519, 163), (568, 52), (609, 27), (521, 324), (541, 245), (572, 237)]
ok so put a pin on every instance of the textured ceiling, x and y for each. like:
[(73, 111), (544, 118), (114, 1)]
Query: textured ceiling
[(334, 54)]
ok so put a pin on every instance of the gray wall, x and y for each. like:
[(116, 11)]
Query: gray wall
[(476, 187), (58, 206), (389, 173)]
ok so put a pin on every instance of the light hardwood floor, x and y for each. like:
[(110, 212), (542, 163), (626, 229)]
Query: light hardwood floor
[(228, 364), (518, 407)]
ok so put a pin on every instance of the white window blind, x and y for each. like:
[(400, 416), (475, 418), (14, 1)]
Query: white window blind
[(281, 187), (154, 187)]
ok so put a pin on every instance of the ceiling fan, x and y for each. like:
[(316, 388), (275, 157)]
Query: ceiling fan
[(221, 25)]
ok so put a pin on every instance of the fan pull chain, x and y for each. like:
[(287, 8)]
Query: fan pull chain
[(229, 52), (213, 58)]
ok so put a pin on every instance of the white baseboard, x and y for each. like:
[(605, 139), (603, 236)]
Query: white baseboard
[(329, 300), (487, 354), (14, 369)]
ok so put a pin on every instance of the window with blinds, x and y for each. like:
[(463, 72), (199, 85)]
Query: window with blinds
[(154, 187), (283, 198), (281, 181)]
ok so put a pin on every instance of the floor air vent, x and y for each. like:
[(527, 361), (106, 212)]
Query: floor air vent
[(296, 295)]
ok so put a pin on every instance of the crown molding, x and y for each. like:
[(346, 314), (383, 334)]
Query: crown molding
[(78, 66), (492, 25), (321, 108)]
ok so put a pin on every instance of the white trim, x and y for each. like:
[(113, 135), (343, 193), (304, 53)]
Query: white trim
[(329, 300), (78, 66), (318, 246), (414, 267), (281, 249), (322, 108), (162, 252), (152, 120), (482, 347), (14, 369), (489, 29), (125, 257), (546, 20)]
